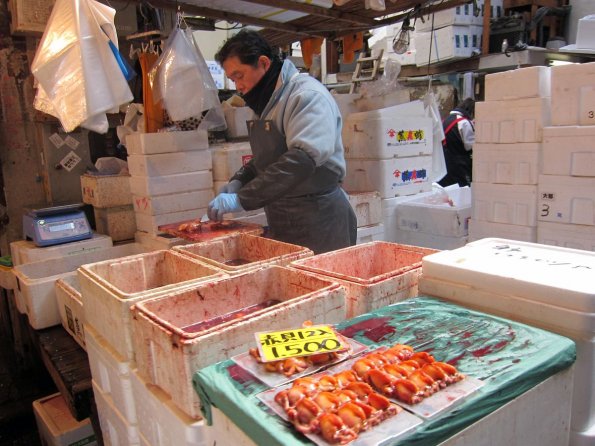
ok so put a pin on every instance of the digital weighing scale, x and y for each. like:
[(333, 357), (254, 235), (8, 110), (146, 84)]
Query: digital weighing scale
[(56, 224)]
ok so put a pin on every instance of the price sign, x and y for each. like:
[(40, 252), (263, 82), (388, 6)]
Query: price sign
[(278, 345)]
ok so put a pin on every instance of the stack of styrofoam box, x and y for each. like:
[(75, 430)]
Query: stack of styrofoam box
[(228, 158), (171, 178), (112, 204), (507, 152), (368, 210), (566, 190), (236, 118), (389, 150)]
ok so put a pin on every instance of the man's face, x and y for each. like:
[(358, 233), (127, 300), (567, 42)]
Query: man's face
[(245, 76)]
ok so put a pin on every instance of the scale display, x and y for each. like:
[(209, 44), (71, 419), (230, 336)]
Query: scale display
[(52, 226)]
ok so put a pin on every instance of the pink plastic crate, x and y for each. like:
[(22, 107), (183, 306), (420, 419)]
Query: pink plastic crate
[(176, 334), (375, 274), (242, 252)]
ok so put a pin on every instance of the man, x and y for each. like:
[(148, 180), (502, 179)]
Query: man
[(298, 161), (458, 144)]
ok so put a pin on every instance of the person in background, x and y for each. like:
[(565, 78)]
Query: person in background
[(458, 144), (298, 160)]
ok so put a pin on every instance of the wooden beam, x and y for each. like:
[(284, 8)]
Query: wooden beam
[(485, 39)]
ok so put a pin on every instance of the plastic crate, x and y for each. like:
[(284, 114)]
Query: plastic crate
[(176, 334), (70, 306), (110, 288), (242, 252), (374, 274), (106, 191)]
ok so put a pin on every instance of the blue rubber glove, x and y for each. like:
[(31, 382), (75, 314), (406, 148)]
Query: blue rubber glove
[(223, 204), (231, 188)]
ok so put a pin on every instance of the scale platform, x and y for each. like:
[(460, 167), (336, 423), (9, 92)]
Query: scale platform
[(47, 226)]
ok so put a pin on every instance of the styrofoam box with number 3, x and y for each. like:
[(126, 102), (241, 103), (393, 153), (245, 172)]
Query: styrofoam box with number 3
[(568, 150), (564, 199), (573, 94)]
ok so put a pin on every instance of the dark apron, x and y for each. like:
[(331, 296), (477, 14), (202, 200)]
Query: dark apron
[(315, 214)]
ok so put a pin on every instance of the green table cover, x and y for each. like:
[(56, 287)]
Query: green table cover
[(508, 356)]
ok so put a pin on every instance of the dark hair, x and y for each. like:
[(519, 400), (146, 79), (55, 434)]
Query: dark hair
[(247, 45), (467, 107)]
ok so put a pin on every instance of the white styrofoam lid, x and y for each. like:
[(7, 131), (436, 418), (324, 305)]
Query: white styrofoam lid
[(554, 275)]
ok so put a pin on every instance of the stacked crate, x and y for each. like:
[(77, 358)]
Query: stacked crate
[(112, 204), (368, 210), (566, 191), (171, 177), (506, 155)]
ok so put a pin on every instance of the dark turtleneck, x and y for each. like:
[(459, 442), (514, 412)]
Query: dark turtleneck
[(259, 96)]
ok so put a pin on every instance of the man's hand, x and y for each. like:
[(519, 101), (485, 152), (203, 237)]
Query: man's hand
[(231, 188), (223, 204)]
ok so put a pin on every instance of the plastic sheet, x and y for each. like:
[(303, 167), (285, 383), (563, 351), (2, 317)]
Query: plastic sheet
[(79, 80)]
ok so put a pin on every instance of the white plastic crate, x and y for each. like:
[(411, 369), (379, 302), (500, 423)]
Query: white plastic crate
[(569, 150), (155, 242), (449, 43), (511, 121), (57, 426), (566, 235), (169, 163), (179, 202), (367, 207), (564, 199), (114, 427), (104, 191), (530, 82), (236, 118), (573, 94), (25, 251), (70, 306), (160, 422), (35, 281), (229, 158), (150, 223), (507, 163), (484, 229), (166, 142), (171, 344), (372, 233), (387, 136), (111, 287), (118, 222), (545, 286), (390, 177), (171, 184), (505, 203)]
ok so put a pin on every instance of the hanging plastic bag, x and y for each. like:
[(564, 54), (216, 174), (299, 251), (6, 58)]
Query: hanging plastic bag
[(438, 161)]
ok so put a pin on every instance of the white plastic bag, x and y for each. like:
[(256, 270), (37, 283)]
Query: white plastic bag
[(438, 161)]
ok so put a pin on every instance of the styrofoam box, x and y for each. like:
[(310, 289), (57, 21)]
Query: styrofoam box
[(564, 199), (238, 253), (118, 222), (112, 374), (374, 274), (170, 347), (573, 94), (389, 215), (110, 288), (104, 191), (25, 251), (169, 163), (179, 202), (567, 235), (423, 214), (568, 150), (114, 427), (166, 142), (388, 136), (449, 43), (517, 163), (514, 204), (160, 421), (432, 241), (372, 233), (236, 118), (367, 207), (530, 82), (460, 15), (150, 223), (171, 184), (57, 426), (546, 286), (585, 33), (7, 279), (70, 306), (229, 158), (484, 229), (511, 121), (154, 242), (391, 177), (35, 281)]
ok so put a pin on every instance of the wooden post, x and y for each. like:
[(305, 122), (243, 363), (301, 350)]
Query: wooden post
[(487, 13)]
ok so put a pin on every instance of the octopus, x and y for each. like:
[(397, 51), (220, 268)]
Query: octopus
[(190, 226)]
